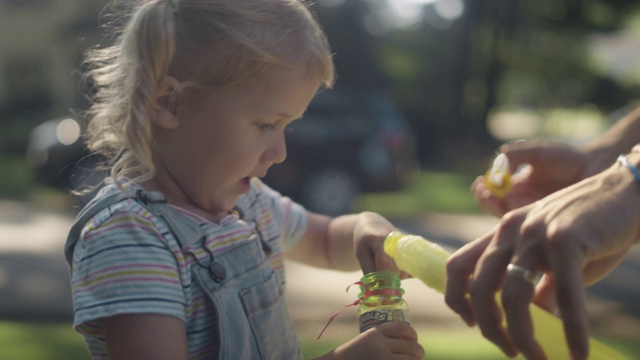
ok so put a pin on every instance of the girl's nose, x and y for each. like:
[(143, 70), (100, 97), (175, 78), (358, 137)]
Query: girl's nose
[(277, 153)]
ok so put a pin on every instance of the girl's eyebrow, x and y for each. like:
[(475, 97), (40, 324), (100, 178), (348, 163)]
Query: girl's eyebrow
[(285, 115)]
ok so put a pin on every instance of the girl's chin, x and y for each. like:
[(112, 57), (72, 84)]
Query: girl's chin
[(245, 185)]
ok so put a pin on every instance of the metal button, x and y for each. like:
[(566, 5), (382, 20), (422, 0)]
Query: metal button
[(217, 271)]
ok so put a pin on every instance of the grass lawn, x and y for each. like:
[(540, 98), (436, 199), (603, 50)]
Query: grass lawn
[(438, 345), (32, 341)]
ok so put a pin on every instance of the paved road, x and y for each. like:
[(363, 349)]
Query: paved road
[(33, 274), (34, 277)]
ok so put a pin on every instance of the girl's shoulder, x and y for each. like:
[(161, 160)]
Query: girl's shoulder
[(121, 214), (114, 224)]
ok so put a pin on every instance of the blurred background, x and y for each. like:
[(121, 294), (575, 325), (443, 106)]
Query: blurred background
[(440, 84), (427, 90)]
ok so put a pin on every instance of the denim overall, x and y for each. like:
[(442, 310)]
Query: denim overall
[(250, 303)]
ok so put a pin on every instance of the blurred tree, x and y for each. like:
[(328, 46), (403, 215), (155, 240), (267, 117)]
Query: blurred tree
[(457, 61), (552, 51), (353, 45), (449, 74)]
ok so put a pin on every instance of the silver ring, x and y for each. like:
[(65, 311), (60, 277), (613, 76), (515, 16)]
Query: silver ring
[(518, 272)]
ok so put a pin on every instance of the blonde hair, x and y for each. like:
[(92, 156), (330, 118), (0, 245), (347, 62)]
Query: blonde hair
[(202, 43)]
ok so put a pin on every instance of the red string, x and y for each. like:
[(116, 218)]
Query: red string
[(367, 293)]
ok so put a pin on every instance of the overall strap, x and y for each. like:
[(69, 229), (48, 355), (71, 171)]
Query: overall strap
[(184, 229), (96, 205)]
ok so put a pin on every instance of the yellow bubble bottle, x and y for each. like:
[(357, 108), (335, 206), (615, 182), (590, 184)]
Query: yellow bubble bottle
[(498, 177), (382, 300), (426, 261)]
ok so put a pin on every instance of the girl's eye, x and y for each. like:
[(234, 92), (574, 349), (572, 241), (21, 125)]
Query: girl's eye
[(266, 126)]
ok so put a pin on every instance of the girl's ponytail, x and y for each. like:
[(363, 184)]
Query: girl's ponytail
[(130, 72)]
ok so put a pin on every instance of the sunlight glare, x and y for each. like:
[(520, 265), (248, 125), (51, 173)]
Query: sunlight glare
[(449, 9), (420, 2)]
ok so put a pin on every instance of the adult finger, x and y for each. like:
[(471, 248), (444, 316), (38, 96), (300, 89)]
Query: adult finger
[(548, 160), (488, 279), (524, 152), (566, 265), (460, 266), (545, 295), (517, 294), (484, 199)]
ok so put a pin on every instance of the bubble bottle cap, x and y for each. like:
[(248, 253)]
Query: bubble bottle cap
[(391, 243), (498, 177)]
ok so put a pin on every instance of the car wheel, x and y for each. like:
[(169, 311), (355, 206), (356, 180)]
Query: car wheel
[(331, 191)]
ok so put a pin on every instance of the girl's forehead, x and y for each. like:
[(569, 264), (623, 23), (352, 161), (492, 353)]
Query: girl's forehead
[(273, 77), (276, 85)]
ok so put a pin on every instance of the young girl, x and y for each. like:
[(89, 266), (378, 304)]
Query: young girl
[(181, 254)]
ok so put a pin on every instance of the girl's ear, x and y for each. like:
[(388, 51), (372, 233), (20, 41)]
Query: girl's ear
[(166, 115)]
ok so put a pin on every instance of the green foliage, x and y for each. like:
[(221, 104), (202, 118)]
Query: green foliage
[(16, 178), (14, 133)]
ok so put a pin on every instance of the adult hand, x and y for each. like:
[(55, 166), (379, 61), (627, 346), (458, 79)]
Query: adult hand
[(388, 341), (539, 168), (575, 236)]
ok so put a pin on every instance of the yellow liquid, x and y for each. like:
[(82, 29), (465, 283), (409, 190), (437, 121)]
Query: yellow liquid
[(426, 261)]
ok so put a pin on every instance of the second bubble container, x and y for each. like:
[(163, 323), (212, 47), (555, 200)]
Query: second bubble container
[(382, 300)]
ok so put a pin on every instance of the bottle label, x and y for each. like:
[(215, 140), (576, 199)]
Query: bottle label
[(376, 317)]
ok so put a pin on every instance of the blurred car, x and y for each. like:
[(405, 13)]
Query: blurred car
[(57, 153), (347, 143)]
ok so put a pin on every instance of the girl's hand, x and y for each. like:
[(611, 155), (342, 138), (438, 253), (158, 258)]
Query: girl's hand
[(369, 233), (575, 236), (346, 243), (539, 168), (388, 341)]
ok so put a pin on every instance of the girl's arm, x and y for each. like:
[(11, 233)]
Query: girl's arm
[(346, 242), (145, 336)]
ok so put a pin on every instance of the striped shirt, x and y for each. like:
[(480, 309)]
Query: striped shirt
[(127, 261)]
